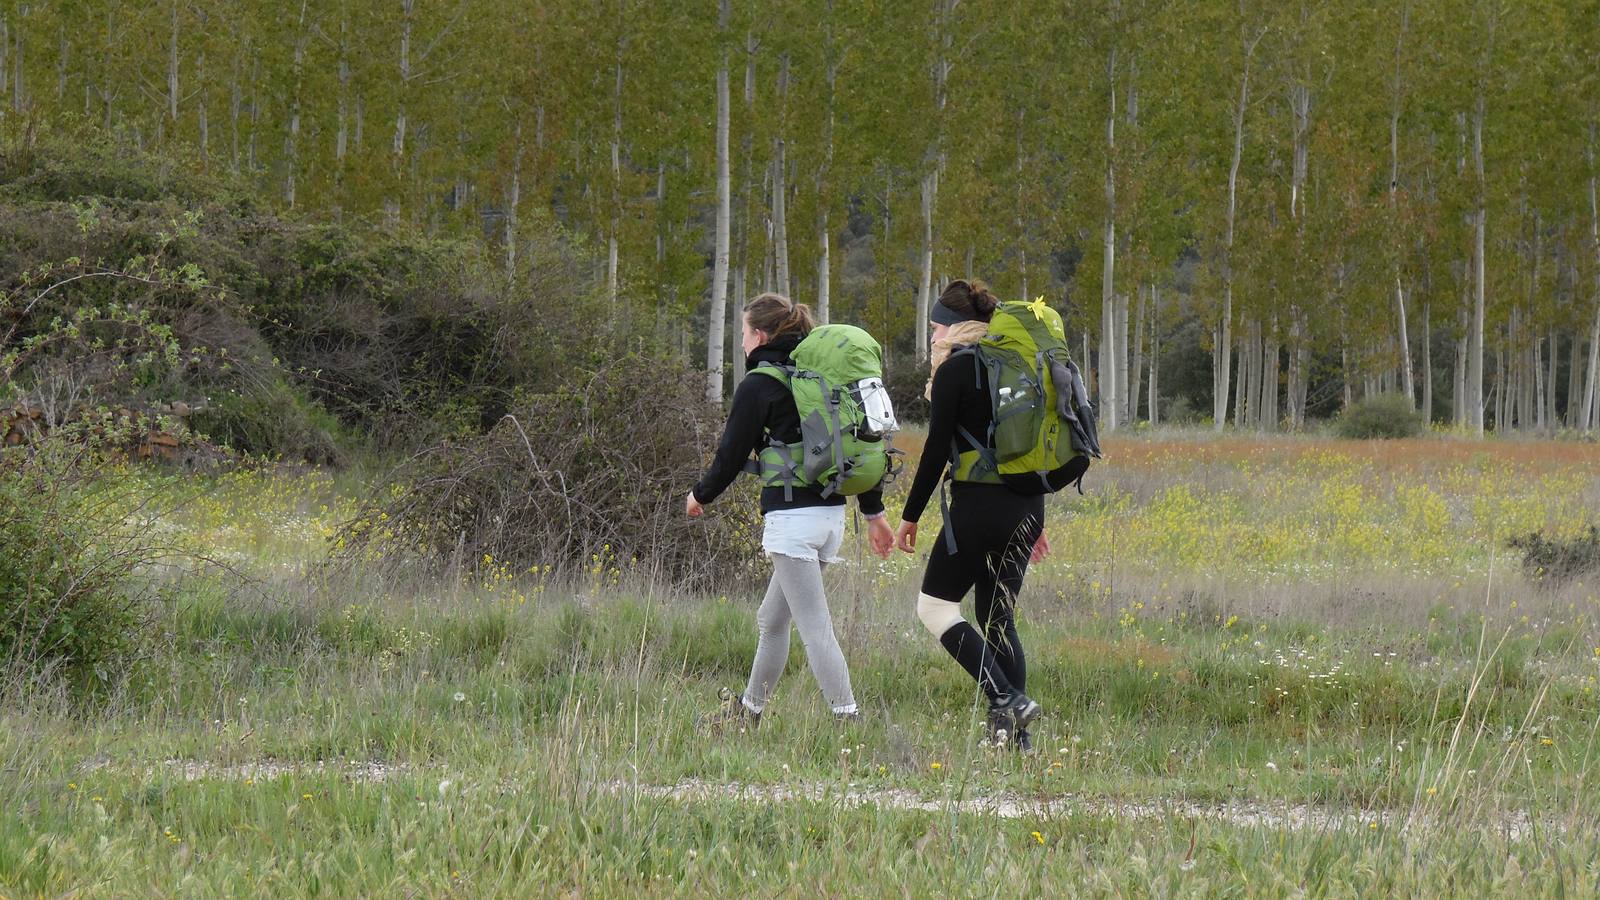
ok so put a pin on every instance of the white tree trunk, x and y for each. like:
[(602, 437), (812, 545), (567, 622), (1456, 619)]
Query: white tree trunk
[(1460, 401), (1299, 349), (1551, 419), (1136, 379), (1533, 379), (1407, 379), (1247, 387), (930, 188), (398, 147), (1397, 99), (1348, 396), (19, 95), (1122, 359), (292, 156), (1427, 363), (824, 272), (1499, 393), (1111, 389), (1292, 375), (1268, 405), (1591, 388), (1223, 335), (1300, 108), (235, 110), (1590, 412), (1513, 362), (204, 117), (780, 184), (1480, 225), (342, 134), (1536, 382), (5, 67), (1090, 370), (766, 245), (736, 323), (747, 218), (1020, 227), (63, 57), (1153, 391), (172, 67), (824, 199), (251, 160), (780, 215), (513, 203), (930, 178), (1575, 376), (719, 267), (613, 289)]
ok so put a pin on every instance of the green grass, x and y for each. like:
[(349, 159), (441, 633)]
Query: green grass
[(1443, 724), (508, 836)]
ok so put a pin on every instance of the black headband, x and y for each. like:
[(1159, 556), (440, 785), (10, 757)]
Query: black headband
[(944, 315)]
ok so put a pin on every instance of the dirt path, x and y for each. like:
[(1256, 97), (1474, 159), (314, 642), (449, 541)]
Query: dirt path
[(1514, 825), (1241, 814)]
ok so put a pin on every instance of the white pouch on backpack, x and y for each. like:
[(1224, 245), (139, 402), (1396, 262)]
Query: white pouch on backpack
[(878, 412)]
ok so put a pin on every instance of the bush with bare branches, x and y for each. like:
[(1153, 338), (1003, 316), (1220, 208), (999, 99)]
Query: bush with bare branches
[(590, 477)]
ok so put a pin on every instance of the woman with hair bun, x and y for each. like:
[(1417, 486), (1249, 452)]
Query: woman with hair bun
[(802, 529), (994, 531)]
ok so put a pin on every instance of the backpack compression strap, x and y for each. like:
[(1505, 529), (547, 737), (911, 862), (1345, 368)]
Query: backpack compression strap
[(831, 399)]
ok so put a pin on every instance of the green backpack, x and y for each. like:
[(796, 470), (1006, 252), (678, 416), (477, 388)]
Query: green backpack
[(1043, 421), (846, 419)]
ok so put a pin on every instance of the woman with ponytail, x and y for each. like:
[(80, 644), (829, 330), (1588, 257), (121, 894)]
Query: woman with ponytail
[(994, 531), (802, 529)]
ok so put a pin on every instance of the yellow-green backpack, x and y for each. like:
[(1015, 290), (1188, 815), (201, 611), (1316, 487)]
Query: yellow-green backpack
[(1043, 420)]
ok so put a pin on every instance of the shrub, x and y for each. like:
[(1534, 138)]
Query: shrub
[(1383, 416), (1558, 561), (73, 548), (1179, 411), (79, 544), (589, 479), (319, 335), (906, 384)]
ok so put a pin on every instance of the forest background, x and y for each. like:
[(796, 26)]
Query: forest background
[(1251, 213)]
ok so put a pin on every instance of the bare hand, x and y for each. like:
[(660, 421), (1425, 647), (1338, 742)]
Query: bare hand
[(1041, 548), (880, 537), (694, 507), (906, 536)]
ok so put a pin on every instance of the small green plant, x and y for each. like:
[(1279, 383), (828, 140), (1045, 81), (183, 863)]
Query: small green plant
[(1383, 416), (73, 604), (1556, 561), (80, 543)]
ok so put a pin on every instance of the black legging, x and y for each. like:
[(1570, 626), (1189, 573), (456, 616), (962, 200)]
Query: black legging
[(994, 530)]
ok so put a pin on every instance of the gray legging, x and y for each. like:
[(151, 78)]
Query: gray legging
[(795, 594)]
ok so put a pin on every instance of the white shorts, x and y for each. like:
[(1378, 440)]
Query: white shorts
[(814, 532)]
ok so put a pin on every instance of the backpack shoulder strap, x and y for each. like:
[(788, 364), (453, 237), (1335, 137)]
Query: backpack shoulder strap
[(786, 467), (780, 373)]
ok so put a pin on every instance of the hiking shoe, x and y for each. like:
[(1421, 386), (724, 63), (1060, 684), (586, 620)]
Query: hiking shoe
[(1022, 743), (731, 712), (848, 718), (1008, 718), (1001, 734)]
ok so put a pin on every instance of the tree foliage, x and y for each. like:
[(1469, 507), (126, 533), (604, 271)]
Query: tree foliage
[(1357, 187)]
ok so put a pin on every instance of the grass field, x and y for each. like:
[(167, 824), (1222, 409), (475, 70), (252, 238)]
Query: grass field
[(1271, 667)]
